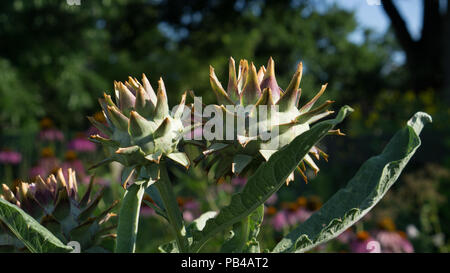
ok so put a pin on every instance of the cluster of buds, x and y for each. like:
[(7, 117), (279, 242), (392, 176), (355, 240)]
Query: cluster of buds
[(140, 130)]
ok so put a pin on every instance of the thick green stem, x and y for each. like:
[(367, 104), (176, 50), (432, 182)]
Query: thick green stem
[(129, 219), (174, 215)]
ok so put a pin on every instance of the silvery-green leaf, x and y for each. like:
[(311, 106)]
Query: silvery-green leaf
[(362, 193)]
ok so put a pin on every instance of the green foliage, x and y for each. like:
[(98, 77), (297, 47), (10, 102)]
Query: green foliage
[(18, 105), (362, 193), (70, 54), (34, 236)]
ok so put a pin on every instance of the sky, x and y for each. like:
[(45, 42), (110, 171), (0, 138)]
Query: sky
[(369, 14)]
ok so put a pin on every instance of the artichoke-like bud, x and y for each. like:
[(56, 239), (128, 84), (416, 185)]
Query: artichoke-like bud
[(260, 88), (56, 203), (140, 129)]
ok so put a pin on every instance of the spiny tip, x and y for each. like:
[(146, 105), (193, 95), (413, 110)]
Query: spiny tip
[(300, 66), (254, 69), (133, 114), (161, 86), (271, 66)]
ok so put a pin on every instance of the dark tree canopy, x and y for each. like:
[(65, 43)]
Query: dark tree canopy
[(59, 59)]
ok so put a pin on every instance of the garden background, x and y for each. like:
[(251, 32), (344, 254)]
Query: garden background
[(57, 58)]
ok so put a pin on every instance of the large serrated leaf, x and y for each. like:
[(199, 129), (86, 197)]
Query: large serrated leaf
[(362, 193), (268, 178), (32, 234)]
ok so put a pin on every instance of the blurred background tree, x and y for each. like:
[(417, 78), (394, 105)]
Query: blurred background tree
[(56, 59), (66, 56)]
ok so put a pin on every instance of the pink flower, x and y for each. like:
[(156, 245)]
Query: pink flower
[(302, 214), (48, 131), (358, 246), (279, 221), (238, 181), (75, 164), (363, 243), (226, 187), (38, 170), (272, 199), (346, 236), (189, 207), (81, 144), (191, 210), (51, 134), (394, 242), (46, 166), (147, 211), (10, 157), (291, 217), (188, 216), (291, 214)]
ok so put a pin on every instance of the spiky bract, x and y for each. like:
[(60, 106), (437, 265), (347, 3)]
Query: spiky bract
[(140, 129), (256, 88)]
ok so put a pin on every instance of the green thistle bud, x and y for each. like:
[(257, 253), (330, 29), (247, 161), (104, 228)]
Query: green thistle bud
[(141, 129), (258, 88)]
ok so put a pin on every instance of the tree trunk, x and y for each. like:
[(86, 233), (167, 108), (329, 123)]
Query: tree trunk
[(428, 58)]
